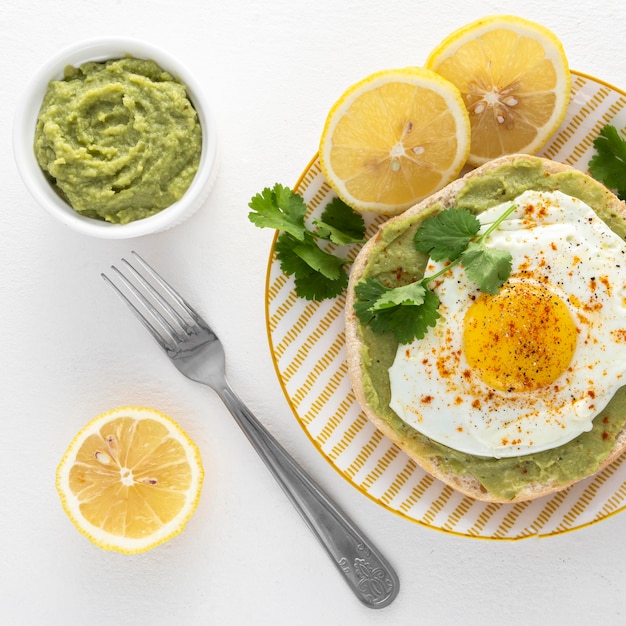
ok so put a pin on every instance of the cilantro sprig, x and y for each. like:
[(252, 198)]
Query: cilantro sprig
[(405, 311), (608, 165), (318, 274), (452, 236), (408, 311)]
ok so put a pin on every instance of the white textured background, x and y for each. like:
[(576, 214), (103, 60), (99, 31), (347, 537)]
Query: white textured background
[(70, 350)]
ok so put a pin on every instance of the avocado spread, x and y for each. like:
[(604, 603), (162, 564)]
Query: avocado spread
[(119, 140), (396, 262)]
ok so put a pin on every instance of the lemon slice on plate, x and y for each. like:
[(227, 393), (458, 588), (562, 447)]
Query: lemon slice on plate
[(515, 81), (130, 479), (393, 138)]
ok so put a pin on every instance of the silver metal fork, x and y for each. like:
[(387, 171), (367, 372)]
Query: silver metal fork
[(197, 353)]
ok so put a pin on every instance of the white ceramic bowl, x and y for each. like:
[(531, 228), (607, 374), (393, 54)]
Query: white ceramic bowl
[(32, 175)]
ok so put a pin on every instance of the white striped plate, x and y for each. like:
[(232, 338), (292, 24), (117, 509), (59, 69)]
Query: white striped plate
[(307, 344)]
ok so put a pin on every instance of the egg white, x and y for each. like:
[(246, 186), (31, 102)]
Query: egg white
[(563, 244)]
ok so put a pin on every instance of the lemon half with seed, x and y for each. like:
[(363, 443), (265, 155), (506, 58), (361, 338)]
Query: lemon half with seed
[(394, 138), (130, 479), (515, 81)]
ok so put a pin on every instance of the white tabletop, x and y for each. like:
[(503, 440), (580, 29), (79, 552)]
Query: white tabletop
[(71, 350)]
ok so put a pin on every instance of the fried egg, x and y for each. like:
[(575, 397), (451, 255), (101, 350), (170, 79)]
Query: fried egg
[(526, 369)]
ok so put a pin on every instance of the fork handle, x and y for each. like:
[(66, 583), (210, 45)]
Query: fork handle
[(365, 570)]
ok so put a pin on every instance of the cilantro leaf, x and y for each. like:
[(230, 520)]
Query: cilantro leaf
[(446, 235), (367, 293), (303, 257), (609, 164), (291, 263), (326, 231), (323, 262), (279, 208), (317, 287), (318, 275), (488, 268), (419, 320), (414, 311), (406, 295), (340, 224)]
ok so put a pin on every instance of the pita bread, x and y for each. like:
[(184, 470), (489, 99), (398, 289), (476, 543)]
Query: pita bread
[(360, 359)]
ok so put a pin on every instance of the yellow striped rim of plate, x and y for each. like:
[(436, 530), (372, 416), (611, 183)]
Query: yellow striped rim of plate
[(307, 345)]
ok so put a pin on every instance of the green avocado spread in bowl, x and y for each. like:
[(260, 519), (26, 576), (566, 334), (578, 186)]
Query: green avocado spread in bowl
[(115, 138), (120, 140)]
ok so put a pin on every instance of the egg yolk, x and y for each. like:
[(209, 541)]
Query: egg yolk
[(520, 339)]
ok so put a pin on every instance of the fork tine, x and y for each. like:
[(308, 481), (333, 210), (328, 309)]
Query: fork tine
[(171, 292), (159, 327), (158, 296)]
